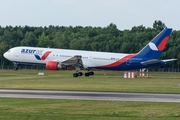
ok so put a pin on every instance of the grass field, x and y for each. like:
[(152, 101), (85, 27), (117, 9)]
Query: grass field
[(101, 81), (44, 109)]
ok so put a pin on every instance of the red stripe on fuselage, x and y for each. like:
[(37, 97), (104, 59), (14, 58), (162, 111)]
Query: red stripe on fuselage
[(119, 62)]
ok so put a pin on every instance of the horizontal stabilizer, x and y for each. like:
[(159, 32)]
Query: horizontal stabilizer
[(168, 60), (151, 62)]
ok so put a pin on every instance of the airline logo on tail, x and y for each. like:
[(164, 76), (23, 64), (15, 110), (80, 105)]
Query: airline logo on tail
[(153, 46), (162, 45), (36, 53)]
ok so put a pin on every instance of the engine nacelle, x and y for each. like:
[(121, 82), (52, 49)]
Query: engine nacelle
[(54, 65)]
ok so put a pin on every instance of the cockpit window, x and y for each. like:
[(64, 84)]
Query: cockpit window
[(9, 50)]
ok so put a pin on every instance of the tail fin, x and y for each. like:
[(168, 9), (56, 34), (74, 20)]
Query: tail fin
[(155, 48)]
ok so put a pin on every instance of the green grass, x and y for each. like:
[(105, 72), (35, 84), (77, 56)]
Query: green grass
[(42, 109), (48, 109), (101, 81)]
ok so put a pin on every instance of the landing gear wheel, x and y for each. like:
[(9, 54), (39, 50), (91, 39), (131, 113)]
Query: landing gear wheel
[(87, 74), (75, 75), (91, 73), (80, 73)]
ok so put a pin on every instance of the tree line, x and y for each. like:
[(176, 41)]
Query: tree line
[(105, 39)]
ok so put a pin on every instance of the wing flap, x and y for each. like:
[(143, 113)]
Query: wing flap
[(74, 61)]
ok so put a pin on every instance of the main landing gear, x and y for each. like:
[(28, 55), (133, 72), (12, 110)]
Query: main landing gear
[(89, 73), (77, 74), (80, 74)]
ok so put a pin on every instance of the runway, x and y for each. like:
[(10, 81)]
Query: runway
[(77, 95)]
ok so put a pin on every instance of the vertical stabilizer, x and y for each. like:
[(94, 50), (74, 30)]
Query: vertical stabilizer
[(155, 48)]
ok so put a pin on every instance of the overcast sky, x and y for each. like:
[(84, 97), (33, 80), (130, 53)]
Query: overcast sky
[(124, 13)]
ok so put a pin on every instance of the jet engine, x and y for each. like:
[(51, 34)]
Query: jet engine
[(54, 65)]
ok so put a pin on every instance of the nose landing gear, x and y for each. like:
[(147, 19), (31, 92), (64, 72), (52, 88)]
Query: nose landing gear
[(16, 66)]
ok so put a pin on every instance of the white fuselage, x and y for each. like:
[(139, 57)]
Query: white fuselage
[(89, 58)]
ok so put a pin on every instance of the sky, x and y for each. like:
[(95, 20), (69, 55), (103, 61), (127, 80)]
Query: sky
[(125, 14)]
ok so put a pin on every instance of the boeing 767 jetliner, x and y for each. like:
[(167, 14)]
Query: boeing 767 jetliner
[(56, 59)]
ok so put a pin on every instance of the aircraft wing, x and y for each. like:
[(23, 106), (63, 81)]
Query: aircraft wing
[(73, 61)]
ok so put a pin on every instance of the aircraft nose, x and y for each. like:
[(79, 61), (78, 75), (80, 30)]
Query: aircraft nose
[(5, 54)]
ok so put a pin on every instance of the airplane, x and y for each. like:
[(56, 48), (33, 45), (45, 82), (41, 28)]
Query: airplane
[(56, 59)]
